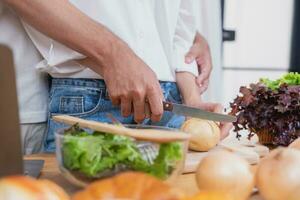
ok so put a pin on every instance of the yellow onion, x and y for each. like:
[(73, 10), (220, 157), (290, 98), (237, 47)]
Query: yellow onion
[(295, 144), (278, 175), (204, 134), (224, 172)]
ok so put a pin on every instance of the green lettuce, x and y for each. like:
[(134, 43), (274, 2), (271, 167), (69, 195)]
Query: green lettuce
[(92, 154), (292, 78)]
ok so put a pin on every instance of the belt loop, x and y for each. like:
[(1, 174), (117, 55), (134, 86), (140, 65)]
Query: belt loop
[(106, 94)]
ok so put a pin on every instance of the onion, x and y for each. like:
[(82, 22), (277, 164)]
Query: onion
[(205, 134), (295, 144), (225, 172), (278, 175)]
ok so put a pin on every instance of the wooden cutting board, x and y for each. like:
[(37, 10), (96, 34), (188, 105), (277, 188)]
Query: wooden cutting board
[(251, 152)]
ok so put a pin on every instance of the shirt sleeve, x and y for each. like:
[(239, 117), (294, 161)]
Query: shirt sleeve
[(53, 52), (185, 32)]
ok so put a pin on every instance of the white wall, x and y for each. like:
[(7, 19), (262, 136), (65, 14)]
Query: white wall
[(262, 47), (263, 33)]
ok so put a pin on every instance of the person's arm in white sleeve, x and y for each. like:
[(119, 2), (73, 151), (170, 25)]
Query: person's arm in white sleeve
[(53, 52), (185, 32), (128, 79), (63, 22)]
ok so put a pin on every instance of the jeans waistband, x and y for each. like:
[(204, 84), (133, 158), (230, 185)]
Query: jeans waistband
[(92, 83), (168, 88)]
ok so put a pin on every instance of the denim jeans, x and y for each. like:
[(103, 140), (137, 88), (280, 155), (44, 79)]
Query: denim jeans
[(88, 99)]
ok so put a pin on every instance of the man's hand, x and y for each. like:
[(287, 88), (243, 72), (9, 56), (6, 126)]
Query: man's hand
[(191, 97), (130, 83), (213, 107), (218, 108), (201, 53)]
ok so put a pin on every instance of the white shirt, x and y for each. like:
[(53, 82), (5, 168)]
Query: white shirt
[(160, 32), (32, 86), (209, 24)]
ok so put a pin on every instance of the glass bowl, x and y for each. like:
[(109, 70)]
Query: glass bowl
[(80, 162)]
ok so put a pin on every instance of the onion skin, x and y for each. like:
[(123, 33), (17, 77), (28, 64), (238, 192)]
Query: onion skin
[(205, 134), (278, 175), (225, 172), (295, 144)]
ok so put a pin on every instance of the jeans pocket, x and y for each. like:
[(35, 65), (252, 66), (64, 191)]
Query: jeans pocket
[(75, 101), (71, 104)]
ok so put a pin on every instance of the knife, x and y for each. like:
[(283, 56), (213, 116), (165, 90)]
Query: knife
[(180, 109)]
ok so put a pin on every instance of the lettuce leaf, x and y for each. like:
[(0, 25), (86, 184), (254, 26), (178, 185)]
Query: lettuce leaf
[(92, 154), (292, 78), (166, 159)]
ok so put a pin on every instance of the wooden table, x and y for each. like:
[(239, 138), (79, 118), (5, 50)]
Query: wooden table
[(50, 171)]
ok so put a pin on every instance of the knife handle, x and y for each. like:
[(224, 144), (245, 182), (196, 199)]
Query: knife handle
[(167, 106)]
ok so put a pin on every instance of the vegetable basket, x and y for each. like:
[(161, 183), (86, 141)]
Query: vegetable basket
[(270, 109)]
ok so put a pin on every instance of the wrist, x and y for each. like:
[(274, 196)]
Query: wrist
[(109, 52), (193, 100), (104, 47)]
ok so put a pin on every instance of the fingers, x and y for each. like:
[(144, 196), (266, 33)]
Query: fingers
[(139, 111), (205, 68), (204, 63), (147, 110), (203, 87), (203, 76), (189, 58), (225, 129), (193, 53), (203, 81), (155, 99), (126, 107), (115, 100), (134, 101), (212, 107), (217, 108)]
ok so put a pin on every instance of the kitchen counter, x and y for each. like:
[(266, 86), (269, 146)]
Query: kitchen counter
[(50, 171)]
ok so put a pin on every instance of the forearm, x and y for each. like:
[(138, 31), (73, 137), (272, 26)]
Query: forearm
[(188, 88), (66, 24)]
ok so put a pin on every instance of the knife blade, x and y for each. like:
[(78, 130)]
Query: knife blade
[(180, 109)]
